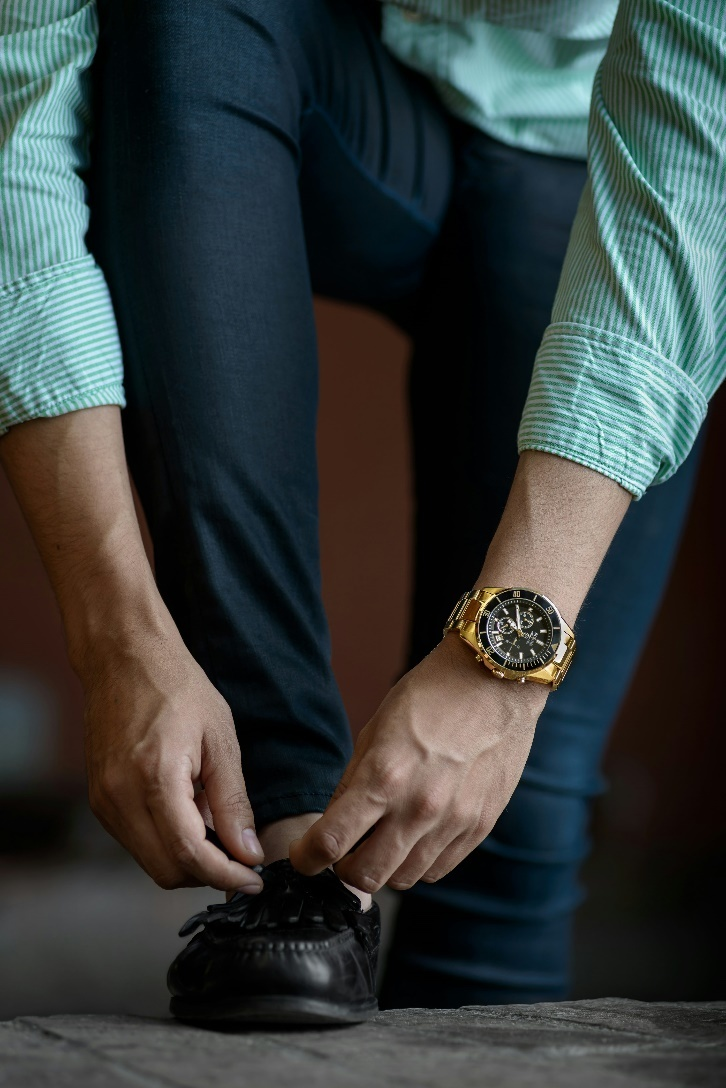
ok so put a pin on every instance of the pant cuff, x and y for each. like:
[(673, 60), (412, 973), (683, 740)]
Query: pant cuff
[(290, 804)]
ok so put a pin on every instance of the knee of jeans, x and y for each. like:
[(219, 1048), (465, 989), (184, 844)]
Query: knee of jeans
[(541, 826), (528, 866), (219, 56)]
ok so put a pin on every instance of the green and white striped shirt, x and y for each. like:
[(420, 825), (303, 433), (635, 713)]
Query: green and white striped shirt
[(59, 347), (522, 72), (637, 343)]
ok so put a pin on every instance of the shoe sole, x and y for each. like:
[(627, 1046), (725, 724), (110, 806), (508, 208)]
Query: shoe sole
[(271, 1010)]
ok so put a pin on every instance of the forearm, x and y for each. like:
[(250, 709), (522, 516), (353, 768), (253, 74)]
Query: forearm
[(556, 528), (70, 477), (156, 729)]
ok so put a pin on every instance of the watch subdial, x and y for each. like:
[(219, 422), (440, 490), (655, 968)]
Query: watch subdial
[(526, 620), (506, 626)]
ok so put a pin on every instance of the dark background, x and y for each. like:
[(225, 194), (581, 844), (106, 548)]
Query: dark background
[(81, 929)]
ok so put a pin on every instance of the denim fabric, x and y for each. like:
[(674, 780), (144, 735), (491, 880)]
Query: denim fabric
[(250, 152)]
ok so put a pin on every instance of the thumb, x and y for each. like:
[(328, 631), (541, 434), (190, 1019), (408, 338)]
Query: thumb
[(344, 782), (299, 848), (362, 744), (226, 794)]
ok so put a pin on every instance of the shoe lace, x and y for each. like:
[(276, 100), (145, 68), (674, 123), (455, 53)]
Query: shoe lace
[(287, 899)]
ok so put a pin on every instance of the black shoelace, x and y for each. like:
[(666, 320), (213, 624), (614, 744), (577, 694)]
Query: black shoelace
[(287, 899)]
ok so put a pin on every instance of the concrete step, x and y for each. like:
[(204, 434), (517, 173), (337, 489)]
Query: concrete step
[(609, 1043)]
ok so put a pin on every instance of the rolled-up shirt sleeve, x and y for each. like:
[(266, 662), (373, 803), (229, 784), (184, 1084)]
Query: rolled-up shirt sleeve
[(637, 343), (59, 347)]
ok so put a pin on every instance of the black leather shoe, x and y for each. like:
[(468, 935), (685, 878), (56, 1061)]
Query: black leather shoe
[(300, 951)]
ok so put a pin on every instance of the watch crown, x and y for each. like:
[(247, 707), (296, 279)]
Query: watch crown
[(499, 673), (478, 657)]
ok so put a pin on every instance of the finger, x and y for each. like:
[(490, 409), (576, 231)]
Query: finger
[(427, 856), (362, 745), (345, 780), (133, 826), (372, 863), (226, 795), (200, 800), (452, 856), (345, 821), (183, 836)]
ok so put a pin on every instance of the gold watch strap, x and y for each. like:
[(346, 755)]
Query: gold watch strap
[(467, 608), (456, 614)]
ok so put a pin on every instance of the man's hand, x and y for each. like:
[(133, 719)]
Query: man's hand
[(156, 729), (431, 773), (434, 768)]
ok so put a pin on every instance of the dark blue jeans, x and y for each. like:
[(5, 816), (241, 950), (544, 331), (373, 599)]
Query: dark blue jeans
[(249, 153)]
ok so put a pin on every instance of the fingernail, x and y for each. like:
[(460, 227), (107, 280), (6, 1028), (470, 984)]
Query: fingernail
[(252, 843), (251, 889)]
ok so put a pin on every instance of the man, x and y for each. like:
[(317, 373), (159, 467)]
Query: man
[(244, 150)]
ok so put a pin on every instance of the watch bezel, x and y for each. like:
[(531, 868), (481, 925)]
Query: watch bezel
[(491, 655)]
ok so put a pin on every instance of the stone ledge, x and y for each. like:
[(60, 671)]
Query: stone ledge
[(609, 1043)]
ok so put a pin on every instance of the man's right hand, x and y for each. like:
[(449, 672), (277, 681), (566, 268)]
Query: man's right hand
[(156, 728)]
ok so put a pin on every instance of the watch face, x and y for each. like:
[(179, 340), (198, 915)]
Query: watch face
[(520, 630)]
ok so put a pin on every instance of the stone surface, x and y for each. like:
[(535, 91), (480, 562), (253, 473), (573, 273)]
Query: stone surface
[(584, 1044)]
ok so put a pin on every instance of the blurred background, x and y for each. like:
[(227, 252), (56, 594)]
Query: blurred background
[(83, 930)]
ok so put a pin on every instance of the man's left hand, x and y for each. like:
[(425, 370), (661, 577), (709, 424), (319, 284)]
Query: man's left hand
[(431, 773)]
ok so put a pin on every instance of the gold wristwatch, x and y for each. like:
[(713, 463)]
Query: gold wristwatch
[(517, 633)]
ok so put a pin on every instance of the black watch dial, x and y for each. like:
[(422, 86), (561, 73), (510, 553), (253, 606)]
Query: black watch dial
[(520, 630)]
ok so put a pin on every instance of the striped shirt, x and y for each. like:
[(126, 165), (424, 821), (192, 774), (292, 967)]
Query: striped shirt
[(59, 348), (521, 72), (637, 343)]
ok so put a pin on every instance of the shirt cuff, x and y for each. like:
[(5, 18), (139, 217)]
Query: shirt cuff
[(611, 404), (59, 350)]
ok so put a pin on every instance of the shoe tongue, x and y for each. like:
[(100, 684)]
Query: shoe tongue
[(283, 866), (325, 887)]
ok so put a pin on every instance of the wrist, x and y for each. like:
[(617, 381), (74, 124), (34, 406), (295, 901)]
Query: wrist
[(558, 523), (459, 665), (118, 614)]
